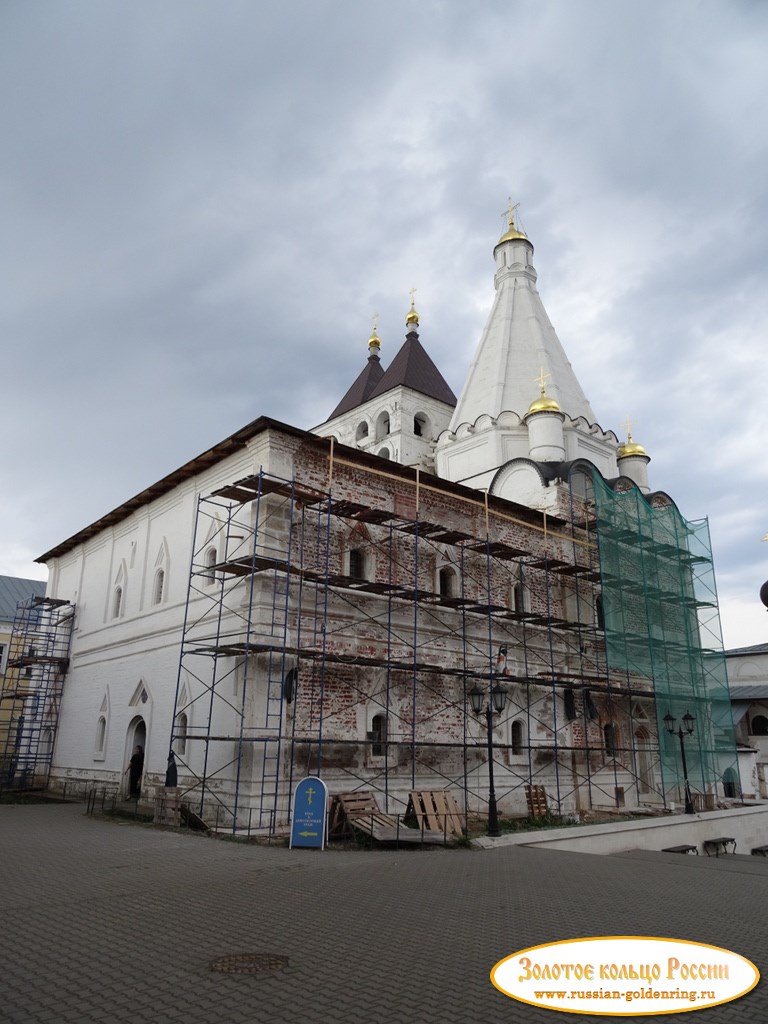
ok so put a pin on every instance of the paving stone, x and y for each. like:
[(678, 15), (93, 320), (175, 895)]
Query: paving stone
[(106, 922)]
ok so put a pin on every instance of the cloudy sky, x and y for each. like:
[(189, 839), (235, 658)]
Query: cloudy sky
[(203, 203)]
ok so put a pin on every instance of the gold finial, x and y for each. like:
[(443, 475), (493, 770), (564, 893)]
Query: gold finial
[(413, 316), (631, 447), (512, 232), (374, 342)]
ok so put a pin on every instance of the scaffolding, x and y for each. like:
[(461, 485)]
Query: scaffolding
[(662, 623), (30, 698), (336, 628)]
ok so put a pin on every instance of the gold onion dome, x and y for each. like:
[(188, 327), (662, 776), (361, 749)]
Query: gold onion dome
[(374, 342), (631, 448), (543, 404), (413, 317)]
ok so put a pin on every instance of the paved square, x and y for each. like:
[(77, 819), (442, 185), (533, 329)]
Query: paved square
[(105, 921)]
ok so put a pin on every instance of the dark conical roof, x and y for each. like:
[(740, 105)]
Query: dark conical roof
[(412, 368), (362, 388)]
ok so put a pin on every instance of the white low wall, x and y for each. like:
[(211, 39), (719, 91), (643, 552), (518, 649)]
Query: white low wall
[(747, 825)]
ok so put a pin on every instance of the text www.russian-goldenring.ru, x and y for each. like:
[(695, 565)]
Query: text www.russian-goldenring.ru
[(628, 997)]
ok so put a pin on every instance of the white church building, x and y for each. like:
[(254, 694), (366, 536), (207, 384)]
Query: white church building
[(334, 602)]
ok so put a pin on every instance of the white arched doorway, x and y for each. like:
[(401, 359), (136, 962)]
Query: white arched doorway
[(136, 736)]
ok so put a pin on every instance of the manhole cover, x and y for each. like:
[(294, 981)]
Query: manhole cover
[(249, 963)]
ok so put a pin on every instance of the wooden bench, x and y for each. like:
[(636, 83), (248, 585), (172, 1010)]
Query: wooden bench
[(760, 851), (684, 848), (718, 845)]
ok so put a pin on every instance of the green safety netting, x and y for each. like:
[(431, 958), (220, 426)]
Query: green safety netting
[(662, 625)]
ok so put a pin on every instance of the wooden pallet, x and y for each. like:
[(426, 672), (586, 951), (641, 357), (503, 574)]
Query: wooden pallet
[(359, 812), (536, 797), (436, 810)]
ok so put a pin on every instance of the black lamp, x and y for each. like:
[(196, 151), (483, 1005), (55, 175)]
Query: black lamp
[(689, 722), (498, 699)]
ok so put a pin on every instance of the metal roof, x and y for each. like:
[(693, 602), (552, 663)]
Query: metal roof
[(14, 589), (754, 649), (413, 368), (749, 691)]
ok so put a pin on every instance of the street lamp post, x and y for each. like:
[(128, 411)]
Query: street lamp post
[(688, 721), (498, 700)]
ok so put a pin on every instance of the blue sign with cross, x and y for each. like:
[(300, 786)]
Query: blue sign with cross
[(310, 804)]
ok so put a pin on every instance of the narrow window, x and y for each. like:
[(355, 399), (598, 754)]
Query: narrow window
[(210, 561), (101, 733), (569, 699), (447, 582), (117, 603), (379, 736), (157, 593), (181, 733), (609, 735), (357, 564), (599, 612), (517, 737), (518, 597)]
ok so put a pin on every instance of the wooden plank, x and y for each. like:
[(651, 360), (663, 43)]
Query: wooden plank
[(435, 810), (536, 797)]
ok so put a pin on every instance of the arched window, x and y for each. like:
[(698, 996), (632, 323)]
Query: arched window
[(379, 736), (517, 737), (210, 561), (421, 425), (383, 453), (730, 785), (609, 737), (101, 734), (117, 603), (447, 582), (157, 592), (382, 425), (182, 723), (643, 750), (357, 566), (517, 594), (361, 434), (759, 725)]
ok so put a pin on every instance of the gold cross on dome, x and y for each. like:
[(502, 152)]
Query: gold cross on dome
[(375, 321), (542, 379), (413, 292), (510, 213), (629, 424)]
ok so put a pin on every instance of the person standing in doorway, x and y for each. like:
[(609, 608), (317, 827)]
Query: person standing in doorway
[(134, 772)]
